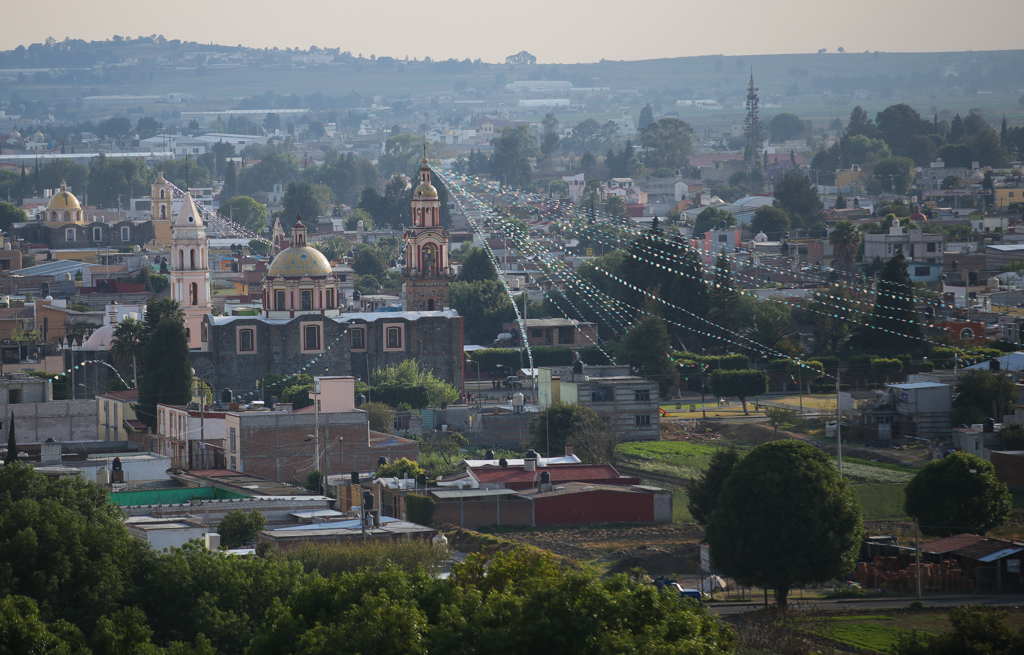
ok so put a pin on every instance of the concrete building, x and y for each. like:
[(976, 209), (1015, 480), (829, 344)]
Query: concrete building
[(38, 417), (116, 417), (915, 409), (553, 332), (917, 245), (628, 403)]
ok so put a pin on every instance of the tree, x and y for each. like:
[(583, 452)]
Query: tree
[(752, 127), (860, 124), (667, 143), (127, 345), (845, 240), (553, 427), (114, 180), (710, 218), (402, 154), (550, 142), (646, 115), (981, 394), (239, 527), (785, 518), (724, 298), (409, 376), (12, 444), (74, 173), (24, 631), (166, 369), (352, 222), (484, 306), (305, 199), (118, 127), (955, 494), (316, 129), (798, 196), (805, 372), (187, 173), (592, 440), (894, 317), (704, 491), (510, 161), (273, 168), (147, 127), (381, 416), (833, 318), (773, 221), (230, 189), (975, 630), (11, 214), (786, 126), (616, 207), (886, 367), (646, 349), (334, 247), (742, 384), (399, 468), (477, 266), (371, 260), (245, 211), (899, 124), (894, 174)]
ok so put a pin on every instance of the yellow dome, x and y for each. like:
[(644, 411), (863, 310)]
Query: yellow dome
[(63, 199), (425, 191), (299, 262)]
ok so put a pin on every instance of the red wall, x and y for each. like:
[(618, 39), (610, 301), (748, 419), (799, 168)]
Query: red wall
[(599, 506)]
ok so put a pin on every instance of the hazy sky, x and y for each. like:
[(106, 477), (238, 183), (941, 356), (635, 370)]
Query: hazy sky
[(555, 31)]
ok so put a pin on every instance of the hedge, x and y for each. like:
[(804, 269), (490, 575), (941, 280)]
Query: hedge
[(419, 509)]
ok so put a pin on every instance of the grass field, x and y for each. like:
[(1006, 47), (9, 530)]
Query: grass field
[(860, 470), (677, 458), (880, 502), (680, 514)]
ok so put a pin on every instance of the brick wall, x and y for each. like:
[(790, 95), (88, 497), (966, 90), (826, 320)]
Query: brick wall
[(598, 506), (476, 513), (61, 420), (1009, 468)]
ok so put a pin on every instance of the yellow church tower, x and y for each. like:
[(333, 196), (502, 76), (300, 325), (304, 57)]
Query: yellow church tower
[(190, 274), (426, 272)]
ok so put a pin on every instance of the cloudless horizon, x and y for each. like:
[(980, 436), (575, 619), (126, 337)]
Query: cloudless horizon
[(554, 32)]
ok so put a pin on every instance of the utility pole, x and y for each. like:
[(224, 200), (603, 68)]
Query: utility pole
[(839, 426), (917, 559)]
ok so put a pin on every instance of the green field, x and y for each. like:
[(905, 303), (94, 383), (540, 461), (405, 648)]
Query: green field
[(860, 470), (880, 502), (677, 458)]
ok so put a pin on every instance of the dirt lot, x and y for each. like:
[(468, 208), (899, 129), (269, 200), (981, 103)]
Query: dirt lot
[(659, 546)]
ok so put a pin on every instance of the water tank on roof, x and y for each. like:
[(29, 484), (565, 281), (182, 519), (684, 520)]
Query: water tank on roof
[(545, 478), (227, 397), (489, 454), (503, 463), (382, 461), (531, 454), (989, 425), (994, 364)]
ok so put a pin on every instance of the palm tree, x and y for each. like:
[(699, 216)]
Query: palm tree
[(769, 326), (127, 345), (845, 240)]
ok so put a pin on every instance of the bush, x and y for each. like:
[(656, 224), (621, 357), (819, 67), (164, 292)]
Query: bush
[(239, 528), (925, 367), (420, 509)]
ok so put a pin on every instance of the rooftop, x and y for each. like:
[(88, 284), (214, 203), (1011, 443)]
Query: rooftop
[(949, 544)]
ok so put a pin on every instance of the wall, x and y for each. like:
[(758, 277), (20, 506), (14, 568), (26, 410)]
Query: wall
[(1009, 468), (210, 511), (476, 513), (598, 506), (159, 539), (61, 420)]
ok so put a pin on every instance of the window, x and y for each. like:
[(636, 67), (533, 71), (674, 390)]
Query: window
[(188, 334), (245, 340), (232, 440), (967, 333), (193, 293), (205, 334), (162, 193), (394, 337), (233, 464), (931, 246), (358, 338), (430, 304), (53, 216), (329, 296), (191, 257), (642, 419), (116, 425), (311, 337), (602, 395), (280, 304), (642, 394), (97, 234), (163, 211), (306, 300), (537, 334), (126, 233), (566, 335), (922, 271), (67, 216), (69, 234), (723, 238), (342, 278)]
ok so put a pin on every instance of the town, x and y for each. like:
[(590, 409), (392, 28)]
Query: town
[(500, 357)]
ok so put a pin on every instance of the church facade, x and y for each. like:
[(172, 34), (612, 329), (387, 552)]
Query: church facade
[(303, 330)]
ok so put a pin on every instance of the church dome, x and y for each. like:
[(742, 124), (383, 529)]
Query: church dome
[(15, 135), (425, 190), (299, 262), (63, 199)]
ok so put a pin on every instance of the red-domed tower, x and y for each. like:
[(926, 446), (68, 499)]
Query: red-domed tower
[(427, 274)]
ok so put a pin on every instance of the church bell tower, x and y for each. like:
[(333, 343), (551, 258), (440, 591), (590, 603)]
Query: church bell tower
[(426, 272)]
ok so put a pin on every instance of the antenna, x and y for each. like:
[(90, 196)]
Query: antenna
[(186, 173)]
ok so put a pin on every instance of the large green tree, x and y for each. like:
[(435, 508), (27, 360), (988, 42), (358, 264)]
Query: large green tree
[(740, 383), (167, 370), (484, 306), (703, 492), (894, 174), (240, 527), (773, 221), (894, 319), (709, 219), (553, 426), (786, 126), (402, 154), (785, 518), (981, 394), (245, 211), (477, 266), (307, 200), (114, 180), (955, 494), (845, 240), (11, 214), (798, 196), (646, 348), (667, 143), (510, 161)]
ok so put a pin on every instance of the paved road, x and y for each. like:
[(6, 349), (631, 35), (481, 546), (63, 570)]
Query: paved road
[(1005, 600)]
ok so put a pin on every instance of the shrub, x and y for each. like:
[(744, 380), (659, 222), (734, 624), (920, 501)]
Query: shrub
[(420, 509), (926, 367)]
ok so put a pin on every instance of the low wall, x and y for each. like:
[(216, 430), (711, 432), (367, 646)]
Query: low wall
[(60, 420)]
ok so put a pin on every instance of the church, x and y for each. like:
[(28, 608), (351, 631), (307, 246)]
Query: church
[(302, 328)]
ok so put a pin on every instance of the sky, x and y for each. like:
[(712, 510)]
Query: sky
[(559, 31)]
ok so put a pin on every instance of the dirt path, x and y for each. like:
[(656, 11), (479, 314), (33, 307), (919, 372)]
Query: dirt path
[(591, 544)]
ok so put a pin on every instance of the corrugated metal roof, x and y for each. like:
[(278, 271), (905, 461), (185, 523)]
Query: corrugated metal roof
[(473, 493), (988, 550), (918, 385), (949, 544)]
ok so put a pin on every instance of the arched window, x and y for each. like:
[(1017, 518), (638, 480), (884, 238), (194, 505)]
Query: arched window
[(967, 333), (193, 294), (188, 334), (163, 209), (202, 258), (67, 216), (181, 259), (53, 216), (192, 258), (162, 191)]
